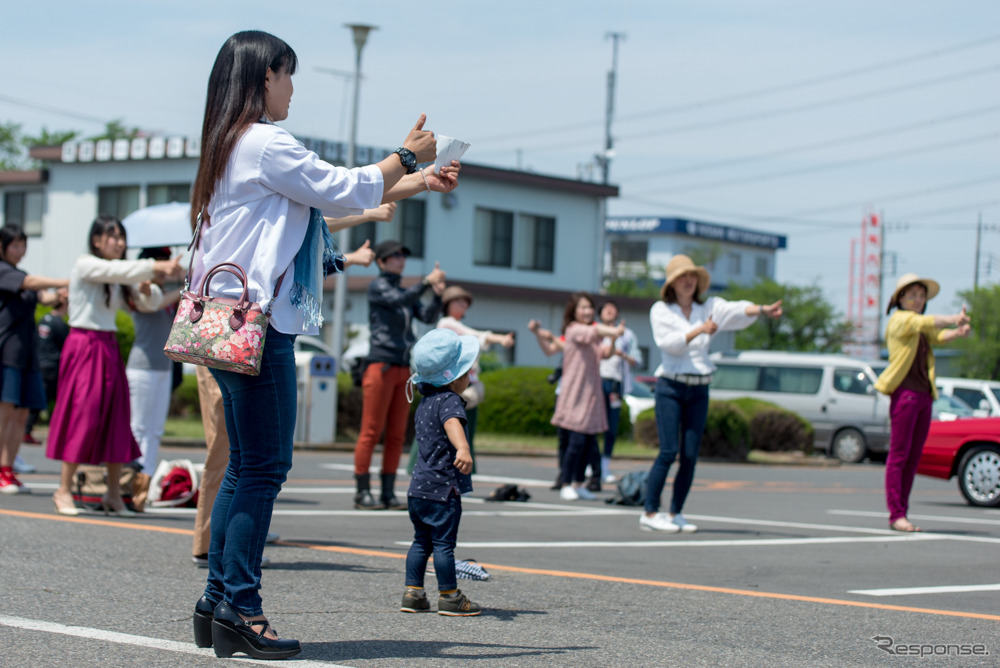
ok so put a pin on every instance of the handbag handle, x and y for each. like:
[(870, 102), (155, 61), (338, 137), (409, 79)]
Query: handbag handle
[(238, 316)]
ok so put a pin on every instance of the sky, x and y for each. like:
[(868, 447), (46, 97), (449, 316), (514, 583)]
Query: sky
[(784, 116)]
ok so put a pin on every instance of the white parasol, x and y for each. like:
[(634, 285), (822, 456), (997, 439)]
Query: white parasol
[(159, 225)]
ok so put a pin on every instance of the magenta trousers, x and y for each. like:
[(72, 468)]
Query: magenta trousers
[(910, 414)]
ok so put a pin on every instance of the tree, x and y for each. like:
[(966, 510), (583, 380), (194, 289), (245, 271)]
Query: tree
[(47, 138), (809, 324), (12, 155), (116, 129), (981, 349)]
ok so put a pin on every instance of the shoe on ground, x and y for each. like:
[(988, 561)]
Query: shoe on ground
[(272, 537), (610, 479), (30, 440), (569, 493), (9, 484), (21, 466), (365, 501), (458, 605), (685, 526), (658, 522), (201, 561), (585, 493), (593, 485), (415, 600)]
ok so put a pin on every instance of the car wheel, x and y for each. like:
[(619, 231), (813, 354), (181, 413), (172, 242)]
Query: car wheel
[(979, 476), (849, 446)]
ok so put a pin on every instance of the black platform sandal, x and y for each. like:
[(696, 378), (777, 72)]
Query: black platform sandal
[(231, 634), (203, 611)]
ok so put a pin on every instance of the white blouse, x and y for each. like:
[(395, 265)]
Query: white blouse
[(260, 213), (87, 308), (670, 329)]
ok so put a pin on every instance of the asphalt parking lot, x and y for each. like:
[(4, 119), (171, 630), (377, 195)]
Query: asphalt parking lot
[(791, 566)]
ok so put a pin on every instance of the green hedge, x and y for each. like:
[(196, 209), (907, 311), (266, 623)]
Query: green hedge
[(518, 400), (735, 427)]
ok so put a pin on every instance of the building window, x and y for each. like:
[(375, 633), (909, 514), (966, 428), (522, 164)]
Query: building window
[(168, 192), (118, 201), (629, 251), (494, 236), (735, 264), (24, 208), (536, 242), (408, 227)]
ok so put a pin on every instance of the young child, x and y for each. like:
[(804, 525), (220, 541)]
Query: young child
[(442, 359)]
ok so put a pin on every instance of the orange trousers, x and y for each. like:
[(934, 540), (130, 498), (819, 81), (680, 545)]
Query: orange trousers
[(385, 411)]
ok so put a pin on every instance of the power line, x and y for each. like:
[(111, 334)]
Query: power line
[(54, 110), (833, 165), (701, 104), (933, 190), (877, 134)]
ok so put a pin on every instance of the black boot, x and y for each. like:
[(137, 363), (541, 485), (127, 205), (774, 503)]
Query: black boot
[(388, 497), (364, 500)]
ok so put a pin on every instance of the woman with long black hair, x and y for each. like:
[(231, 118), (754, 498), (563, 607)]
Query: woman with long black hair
[(262, 197)]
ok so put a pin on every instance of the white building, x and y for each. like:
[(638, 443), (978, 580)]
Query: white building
[(520, 242)]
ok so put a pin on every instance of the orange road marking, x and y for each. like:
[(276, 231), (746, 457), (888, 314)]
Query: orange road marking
[(542, 571)]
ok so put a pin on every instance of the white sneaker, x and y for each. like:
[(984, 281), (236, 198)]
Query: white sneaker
[(272, 537), (609, 479), (683, 524), (21, 466), (584, 493), (569, 493), (658, 522)]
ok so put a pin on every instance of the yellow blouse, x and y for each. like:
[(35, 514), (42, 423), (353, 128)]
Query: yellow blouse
[(902, 335)]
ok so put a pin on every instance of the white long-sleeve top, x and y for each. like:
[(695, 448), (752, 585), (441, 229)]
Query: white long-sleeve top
[(87, 309), (259, 215), (670, 329)]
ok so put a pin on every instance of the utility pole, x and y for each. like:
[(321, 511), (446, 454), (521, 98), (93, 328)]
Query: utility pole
[(979, 238), (605, 159), (881, 277)]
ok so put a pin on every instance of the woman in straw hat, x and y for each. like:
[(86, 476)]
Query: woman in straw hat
[(909, 380), (683, 324), (455, 301)]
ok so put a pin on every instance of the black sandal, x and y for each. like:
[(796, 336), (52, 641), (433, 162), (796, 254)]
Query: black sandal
[(231, 633)]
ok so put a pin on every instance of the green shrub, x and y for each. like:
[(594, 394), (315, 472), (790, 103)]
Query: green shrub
[(775, 429), (727, 433), (125, 333), (726, 437), (184, 401), (518, 400)]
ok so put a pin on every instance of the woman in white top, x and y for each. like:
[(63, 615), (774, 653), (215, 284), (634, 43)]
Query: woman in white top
[(263, 197), (683, 324), (90, 421)]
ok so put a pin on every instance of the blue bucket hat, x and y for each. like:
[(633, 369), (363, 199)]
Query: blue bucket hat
[(441, 356)]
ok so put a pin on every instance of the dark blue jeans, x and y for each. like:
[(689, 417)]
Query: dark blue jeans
[(260, 422), (681, 412), (614, 414), (435, 531)]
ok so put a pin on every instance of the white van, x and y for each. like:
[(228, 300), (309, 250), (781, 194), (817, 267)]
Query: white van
[(836, 393), (981, 395)]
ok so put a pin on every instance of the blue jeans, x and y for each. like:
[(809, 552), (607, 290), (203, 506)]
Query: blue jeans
[(681, 412), (614, 414), (260, 421), (435, 530)]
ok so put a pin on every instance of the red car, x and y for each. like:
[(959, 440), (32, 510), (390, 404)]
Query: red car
[(969, 449)]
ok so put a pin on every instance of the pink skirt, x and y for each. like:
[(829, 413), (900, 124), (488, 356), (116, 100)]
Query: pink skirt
[(90, 422)]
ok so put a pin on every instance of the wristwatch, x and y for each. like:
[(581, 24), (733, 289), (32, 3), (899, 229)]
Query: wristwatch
[(408, 158)]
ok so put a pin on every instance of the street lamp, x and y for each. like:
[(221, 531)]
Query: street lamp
[(360, 32)]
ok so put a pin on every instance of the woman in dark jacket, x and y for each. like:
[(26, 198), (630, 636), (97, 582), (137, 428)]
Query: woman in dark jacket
[(391, 309)]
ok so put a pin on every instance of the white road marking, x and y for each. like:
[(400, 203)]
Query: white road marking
[(912, 591), (763, 542), (141, 641), (931, 518)]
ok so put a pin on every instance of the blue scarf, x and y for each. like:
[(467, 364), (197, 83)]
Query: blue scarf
[(318, 257)]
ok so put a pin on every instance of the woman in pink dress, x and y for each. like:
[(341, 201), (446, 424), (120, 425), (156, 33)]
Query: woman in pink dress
[(580, 404), (90, 422)]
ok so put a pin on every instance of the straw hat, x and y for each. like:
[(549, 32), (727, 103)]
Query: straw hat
[(680, 265), (906, 280), (453, 292)]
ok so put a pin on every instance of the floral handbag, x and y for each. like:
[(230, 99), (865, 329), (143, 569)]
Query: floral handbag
[(218, 332)]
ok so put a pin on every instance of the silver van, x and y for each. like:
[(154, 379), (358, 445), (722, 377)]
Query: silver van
[(836, 393), (983, 396)]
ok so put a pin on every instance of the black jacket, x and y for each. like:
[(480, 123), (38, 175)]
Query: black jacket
[(390, 312)]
